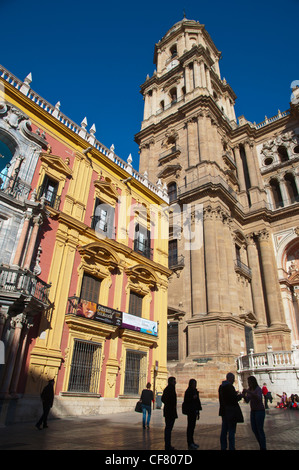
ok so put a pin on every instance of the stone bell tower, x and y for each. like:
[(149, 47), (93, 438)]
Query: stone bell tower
[(189, 141)]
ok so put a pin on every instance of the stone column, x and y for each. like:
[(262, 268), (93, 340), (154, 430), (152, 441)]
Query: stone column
[(284, 191), (18, 367), (232, 287), (211, 260), (197, 262), (17, 323), (296, 178), (251, 165), (3, 318), (203, 75), (193, 151), (256, 283), (223, 256), (272, 288), (19, 250), (197, 74), (154, 101), (37, 222), (146, 112), (270, 198)]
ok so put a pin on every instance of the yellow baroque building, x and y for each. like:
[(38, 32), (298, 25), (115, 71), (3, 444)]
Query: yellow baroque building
[(94, 233)]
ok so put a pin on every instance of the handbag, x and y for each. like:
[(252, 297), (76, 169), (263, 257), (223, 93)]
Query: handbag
[(138, 407), (185, 408)]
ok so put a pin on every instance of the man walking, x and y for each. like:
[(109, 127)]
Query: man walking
[(169, 399), (47, 397)]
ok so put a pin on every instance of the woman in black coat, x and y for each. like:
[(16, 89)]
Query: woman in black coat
[(191, 407)]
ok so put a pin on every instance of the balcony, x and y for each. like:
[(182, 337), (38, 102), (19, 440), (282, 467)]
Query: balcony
[(19, 287), (13, 186), (143, 248), (243, 269), (176, 261), (51, 199)]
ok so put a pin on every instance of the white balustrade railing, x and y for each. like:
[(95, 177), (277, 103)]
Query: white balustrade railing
[(268, 360)]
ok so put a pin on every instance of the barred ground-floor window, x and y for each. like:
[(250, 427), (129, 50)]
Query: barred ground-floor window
[(135, 373), (85, 367)]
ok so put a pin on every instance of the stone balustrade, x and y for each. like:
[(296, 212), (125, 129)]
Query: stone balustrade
[(278, 369)]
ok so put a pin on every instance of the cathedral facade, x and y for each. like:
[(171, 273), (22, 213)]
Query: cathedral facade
[(233, 189)]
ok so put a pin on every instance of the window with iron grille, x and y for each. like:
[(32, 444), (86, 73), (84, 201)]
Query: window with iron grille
[(172, 341), (85, 367), (135, 373)]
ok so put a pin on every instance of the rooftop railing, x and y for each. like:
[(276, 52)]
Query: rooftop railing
[(24, 87)]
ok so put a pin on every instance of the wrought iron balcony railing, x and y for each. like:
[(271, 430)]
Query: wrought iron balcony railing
[(13, 186), (19, 281), (51, 200)]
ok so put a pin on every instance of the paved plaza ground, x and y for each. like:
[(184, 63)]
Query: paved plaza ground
[(119, 432)]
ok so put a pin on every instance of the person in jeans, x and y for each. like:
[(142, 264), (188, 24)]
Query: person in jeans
[(254, 395), (230, 411), (146, 399)]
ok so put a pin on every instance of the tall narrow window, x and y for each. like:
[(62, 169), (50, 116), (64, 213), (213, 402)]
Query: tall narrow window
[(172, 341), (48, 190), (142, 241), (282, 153), (135, 373), (173, 95), (85, 367), (173, 253), (135, 304), (103, 218), (90, 289), (173, 51), (245, 171), (291, 188), (172, 191), (276, 192)]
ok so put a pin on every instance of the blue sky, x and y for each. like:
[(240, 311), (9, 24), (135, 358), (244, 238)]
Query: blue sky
[(93, 56)]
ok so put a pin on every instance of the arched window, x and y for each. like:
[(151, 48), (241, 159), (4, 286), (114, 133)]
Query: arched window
[(173, 51), (172, 191), (7, 149), (276, 192), (291, 187), (282, 153), (173, 95)]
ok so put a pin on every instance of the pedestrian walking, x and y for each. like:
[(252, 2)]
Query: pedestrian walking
[(169, 398), (147, 397), (47, 397), (254, 395), (230, 411), (191, 407), (267, 395)]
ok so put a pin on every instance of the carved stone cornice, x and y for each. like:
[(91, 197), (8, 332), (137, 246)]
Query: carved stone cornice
[(99, 253)]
